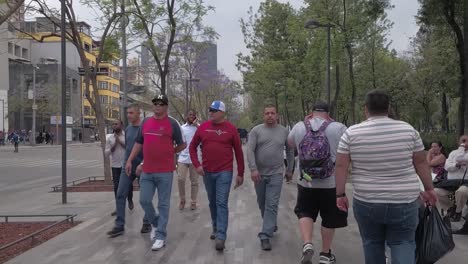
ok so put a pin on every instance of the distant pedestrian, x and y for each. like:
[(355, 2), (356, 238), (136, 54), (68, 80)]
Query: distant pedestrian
[(218, 138), (185, 165), (47, 138), (160, 138), (265, 158), (387, 158), (15, 139), (316, 140), (2, 138), (115, 149), (125, 189)]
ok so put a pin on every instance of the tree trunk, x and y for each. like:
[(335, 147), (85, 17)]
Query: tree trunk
[(350, 65), (333, 108), (444, 107)]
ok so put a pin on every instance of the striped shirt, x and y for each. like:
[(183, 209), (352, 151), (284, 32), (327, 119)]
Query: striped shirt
[(381, 151)]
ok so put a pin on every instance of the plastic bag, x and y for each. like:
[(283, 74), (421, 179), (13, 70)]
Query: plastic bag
[(433, 237)]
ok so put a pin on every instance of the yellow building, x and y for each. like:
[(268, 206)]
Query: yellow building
[(108, 79)]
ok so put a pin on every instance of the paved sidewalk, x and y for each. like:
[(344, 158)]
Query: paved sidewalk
[(188, 233), (27, 146)]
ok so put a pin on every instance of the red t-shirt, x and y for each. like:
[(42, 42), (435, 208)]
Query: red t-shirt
[(217, 142), (158, 137)]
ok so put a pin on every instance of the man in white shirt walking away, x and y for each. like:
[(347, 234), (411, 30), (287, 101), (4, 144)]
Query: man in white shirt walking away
[(185, 165)]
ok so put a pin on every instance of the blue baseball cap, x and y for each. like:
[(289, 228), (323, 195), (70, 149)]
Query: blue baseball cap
[(218, 105)]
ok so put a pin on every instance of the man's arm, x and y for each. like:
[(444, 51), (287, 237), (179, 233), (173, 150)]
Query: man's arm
[(451, 162), (423, 170), (341, 172), (193, 149), (109, 149), (289, 156), (239, 153), (251, 146)]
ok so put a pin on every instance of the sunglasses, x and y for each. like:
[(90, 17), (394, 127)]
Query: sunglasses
[(211, 110), (159, 104)]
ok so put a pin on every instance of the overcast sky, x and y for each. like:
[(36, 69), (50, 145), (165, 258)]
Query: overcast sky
[(225, 20)]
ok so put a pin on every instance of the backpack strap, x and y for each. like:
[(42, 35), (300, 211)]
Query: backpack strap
[(324, 126)]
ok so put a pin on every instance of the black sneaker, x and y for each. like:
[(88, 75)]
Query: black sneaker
[(115, 232), (327, 258), (265, 244), (131, 205), (307, 253), (219, 244), (276, 229), (213, 234), (145, 228), (114, 213)]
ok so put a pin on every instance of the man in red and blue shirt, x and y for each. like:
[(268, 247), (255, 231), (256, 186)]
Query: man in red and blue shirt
[(160, 138), (218, 138)]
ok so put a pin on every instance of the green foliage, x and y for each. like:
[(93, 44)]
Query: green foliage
[(449, 141)]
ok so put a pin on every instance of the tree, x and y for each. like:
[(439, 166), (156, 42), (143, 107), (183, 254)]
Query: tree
[(162, 24), (449, 15), (11, 7), (109, 19)]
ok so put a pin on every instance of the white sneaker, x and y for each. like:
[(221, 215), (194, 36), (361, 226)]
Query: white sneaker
[(158, 244), (153, 233)]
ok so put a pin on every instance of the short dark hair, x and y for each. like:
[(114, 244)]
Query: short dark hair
[(377, 102), (135, 107), (269, 105)]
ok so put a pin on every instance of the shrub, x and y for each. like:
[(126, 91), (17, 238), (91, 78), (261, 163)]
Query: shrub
[(449, 141)]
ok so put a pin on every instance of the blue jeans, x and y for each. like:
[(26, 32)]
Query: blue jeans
[(268, 195), (149, 182), (125, 185), (218, 185), (391, 224)]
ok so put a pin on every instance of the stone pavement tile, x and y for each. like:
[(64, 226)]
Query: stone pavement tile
[(188, 235)]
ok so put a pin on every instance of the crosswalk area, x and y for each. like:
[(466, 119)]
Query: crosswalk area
[(48, 163)]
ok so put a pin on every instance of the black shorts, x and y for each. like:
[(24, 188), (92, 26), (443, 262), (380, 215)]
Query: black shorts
[(311, 202)]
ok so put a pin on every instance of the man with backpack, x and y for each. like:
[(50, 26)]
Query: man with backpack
[(15, 139), (316, 140)]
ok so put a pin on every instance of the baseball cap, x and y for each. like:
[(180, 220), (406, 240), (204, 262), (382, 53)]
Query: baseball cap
[(320, 106), (218, 105), (161, 97)]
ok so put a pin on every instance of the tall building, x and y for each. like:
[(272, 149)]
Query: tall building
[(11, 49), (109, 74)]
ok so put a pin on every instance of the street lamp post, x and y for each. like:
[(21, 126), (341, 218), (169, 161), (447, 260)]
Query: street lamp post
[(312, 24), (3, 114), (34, 107)]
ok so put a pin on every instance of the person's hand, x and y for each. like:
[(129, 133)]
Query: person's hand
[(288, 176), (342, 203), (138, 171), (128, 168), (200, 171), (239, 181), (429, 197), (255, 175)]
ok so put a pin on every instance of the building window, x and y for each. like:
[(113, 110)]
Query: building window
[(87, 111), (75, 86), (104, 99), (103, 85), (17, 51), (115, 101), (115, 114), (25, 53), (10, 47), (115, 88)]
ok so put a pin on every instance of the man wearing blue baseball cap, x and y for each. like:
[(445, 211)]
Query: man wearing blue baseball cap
[(218, 137)]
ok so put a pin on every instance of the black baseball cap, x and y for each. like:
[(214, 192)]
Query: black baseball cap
[(321, 106), (162, 98)]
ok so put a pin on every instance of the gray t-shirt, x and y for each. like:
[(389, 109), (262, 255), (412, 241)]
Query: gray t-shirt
[(333, 132), (265, 151)]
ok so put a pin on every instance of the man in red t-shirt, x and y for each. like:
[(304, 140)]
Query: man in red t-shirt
[(217, 138), (157, 137)]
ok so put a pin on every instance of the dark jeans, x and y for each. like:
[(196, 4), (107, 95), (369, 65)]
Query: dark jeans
[(116, 179), (125, 188), (218, 185), (391, 224)]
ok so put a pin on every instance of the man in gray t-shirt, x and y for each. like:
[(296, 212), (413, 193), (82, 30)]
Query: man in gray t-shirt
[(265, 157), (318, 195)]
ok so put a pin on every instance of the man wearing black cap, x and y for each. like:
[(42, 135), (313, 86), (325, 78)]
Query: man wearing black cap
[(316, 140), (160, 137)]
